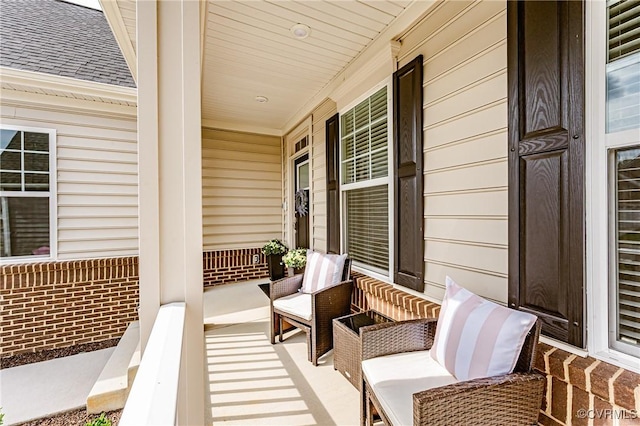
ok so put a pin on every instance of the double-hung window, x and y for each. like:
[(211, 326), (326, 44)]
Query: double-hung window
[(27, 219), (364, 160), (622, 149)]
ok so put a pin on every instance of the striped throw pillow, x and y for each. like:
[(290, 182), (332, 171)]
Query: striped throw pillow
[(322, 271), (477, 338)]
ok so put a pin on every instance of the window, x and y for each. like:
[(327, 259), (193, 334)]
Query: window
[(364, 161), (626, 251), (623, 66), (301, 144), (622, 145), (26, 213)]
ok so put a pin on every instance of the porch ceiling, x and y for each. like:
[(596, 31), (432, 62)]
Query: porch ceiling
[(249, 51)]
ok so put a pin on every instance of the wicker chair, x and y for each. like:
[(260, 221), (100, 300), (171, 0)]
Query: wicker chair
[(512, 399), (326, 304)]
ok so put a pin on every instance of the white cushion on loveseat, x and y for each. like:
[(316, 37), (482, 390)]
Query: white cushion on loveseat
[(298, 304), (395, 378)]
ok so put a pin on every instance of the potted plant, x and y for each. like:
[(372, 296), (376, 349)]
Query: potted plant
[(295, 260), (274, 250)]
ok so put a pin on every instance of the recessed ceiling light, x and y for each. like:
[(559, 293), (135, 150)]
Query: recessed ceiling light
[(262, 99), (300, 31)]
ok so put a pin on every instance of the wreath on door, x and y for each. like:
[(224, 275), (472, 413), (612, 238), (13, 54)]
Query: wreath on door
[(302, 203)]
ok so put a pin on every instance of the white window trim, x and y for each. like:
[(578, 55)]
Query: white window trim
[(53, 198), (388, 82), (302, 130), (597, 193)]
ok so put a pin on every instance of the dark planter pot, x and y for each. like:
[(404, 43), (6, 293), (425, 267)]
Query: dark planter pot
[(276, 268)]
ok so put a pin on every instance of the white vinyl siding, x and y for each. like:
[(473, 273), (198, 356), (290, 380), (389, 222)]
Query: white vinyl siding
[(319, 173), (465, 144), (97, 179), (241, 189)]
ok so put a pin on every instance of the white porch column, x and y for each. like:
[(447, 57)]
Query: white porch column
[(169, 132)]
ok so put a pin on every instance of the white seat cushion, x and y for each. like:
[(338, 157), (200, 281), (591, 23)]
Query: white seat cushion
[(298, 304), (395, 378)]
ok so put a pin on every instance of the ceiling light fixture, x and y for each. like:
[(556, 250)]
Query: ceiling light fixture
[(300, 31), (262, 99)]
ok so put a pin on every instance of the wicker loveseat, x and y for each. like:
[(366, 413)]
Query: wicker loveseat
[(313, 313), (511, 399)]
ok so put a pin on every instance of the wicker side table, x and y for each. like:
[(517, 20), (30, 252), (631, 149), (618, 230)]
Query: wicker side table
[(347, 346)]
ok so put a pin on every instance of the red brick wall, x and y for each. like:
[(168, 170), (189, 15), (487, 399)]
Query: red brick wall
[(230, 266), (579, 391), (370, 293), (61, 304), (582, 388)]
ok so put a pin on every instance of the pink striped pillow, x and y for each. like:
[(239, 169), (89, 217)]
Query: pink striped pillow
[(322, 271), (477, 338)]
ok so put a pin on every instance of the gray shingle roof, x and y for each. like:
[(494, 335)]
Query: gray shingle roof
[(60, 38)]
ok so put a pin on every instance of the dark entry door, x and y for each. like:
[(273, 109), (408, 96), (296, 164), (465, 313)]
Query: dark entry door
[(546, 164), (301, 201)]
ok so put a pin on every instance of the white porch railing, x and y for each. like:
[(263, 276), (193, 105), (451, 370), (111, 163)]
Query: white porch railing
[(154, 394)]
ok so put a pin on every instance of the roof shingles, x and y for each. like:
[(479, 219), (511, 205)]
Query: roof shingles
[(60, 38)]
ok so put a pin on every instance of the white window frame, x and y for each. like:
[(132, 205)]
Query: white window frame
[(387, 278), (53, 199), (599, 239), (289, 141)]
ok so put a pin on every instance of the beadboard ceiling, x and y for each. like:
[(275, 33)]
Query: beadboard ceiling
[(249, 51)]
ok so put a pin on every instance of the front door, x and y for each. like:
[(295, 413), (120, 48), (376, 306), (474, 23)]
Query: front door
[(301, 201)]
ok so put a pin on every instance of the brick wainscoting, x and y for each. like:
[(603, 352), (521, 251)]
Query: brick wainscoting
[(369, 293), (56, 305), (230, 266), (573, 383), (579, 388)]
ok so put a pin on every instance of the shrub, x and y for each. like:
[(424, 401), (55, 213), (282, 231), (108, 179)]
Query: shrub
[(274, 247), (99, 421), (295, 258)]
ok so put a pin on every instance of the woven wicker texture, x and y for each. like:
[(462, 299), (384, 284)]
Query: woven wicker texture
[(326, 304), (512, 399), (347, 346)]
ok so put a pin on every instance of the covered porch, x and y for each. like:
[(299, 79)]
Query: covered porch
[(250, 381), (236, 103)]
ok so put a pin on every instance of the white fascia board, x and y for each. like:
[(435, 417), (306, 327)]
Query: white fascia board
[(119, 29), (236, 127), (19, 99), (380, 48), (68, 85)]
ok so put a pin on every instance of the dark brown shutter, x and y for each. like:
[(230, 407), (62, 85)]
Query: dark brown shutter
[(546, 164), (333, 184), (407, 146)]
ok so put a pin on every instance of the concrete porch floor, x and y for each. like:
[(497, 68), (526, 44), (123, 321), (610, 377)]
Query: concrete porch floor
[(250, 381)]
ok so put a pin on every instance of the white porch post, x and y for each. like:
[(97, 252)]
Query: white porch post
[(169, 132)]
